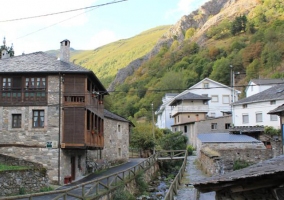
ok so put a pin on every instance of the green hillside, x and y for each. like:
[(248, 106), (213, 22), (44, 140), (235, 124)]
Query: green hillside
[(105, 61), (252, 43)]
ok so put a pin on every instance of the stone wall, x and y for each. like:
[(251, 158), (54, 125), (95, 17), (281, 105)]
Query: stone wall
[(116, 142), (222, 162), (28, 180)]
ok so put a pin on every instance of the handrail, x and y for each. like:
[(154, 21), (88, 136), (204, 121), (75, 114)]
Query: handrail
[(177, 180), (97, 186)]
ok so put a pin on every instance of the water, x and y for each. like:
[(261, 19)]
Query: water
[(188, 192)]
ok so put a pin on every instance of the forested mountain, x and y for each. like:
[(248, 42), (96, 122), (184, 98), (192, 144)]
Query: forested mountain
[(245, 34)]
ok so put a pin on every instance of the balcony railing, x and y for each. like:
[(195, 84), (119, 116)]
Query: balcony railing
[(190, 109)]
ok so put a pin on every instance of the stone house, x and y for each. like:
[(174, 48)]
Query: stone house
[(260, 181), (51, 112), (116, 139)]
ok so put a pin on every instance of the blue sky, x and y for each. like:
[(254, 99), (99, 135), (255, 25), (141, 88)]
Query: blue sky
[(87, 29)]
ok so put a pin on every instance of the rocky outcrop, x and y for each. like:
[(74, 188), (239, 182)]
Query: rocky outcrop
[(201, 19)]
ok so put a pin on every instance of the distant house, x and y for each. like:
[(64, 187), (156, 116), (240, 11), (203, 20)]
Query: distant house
[(221, 96), (260, 181), (252, 111), (259, 85), (188, 108), (164, 113), (116, 139), (51, 112)]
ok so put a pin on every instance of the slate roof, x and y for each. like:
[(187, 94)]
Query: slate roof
[(277, 110), (267, 81), (189, 96), (273, 93), (225, 138), (111, 115), (40, 62), (270, 167)]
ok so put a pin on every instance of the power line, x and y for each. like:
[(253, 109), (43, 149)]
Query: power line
[(62, 12)]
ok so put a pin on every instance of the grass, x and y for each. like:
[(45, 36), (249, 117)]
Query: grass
[(9, 167)]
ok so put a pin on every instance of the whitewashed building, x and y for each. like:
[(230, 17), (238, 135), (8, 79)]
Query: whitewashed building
[(252, 111), (164, 113), (258, 85)]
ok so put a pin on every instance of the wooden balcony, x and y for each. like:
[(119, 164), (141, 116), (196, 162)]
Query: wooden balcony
[(90, 140), (190, 109)]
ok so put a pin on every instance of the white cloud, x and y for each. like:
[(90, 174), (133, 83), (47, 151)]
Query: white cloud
[(101, 38), (185, 7)]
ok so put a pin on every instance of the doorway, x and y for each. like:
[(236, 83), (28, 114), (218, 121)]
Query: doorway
[(73, 167)]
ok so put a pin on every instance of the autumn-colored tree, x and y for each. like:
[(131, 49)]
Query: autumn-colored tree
[(251, 52)]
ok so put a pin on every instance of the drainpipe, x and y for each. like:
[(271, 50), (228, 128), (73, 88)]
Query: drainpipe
[(59, 124)]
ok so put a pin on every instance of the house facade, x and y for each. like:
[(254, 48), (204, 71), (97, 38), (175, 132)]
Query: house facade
[(116, 139), (221, 96), (259, 85), (51, 112), (252, 111), (164, 113)]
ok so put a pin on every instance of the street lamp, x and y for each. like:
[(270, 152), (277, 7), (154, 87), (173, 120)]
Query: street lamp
[(153, 128)]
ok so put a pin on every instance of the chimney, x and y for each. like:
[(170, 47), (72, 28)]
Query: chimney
[(64, 50)]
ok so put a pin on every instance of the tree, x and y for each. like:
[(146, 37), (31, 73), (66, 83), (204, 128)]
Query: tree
[(239, 25), (221, 71), (173, 141), (189, 33)]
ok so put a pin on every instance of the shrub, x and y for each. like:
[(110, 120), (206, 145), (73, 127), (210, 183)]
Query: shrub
[(142, 185), (121, 194), (240, 164), (190, 149)]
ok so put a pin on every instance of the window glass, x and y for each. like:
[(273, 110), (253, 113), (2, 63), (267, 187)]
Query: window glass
[(258, 117), (38, 118), (16, 120), (245, 118)]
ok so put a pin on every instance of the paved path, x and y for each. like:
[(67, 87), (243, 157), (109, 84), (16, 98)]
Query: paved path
[(189, 192), (78, 191)]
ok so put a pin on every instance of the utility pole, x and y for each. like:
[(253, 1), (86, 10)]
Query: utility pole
[(232, 92), (153, 128)]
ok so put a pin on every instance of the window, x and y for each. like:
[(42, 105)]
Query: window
[(214, 98), (212, 114), (38, 118), (214, 126), (226, 99), (258, 117), (11, 87), (16, 120), (273, 102), (245, 105), (273, 117), (118, 128), (170, 115), (185, 129), (205, 85), (227, 125), (119, 152), (205, 102), (245, 119), (35, 87)]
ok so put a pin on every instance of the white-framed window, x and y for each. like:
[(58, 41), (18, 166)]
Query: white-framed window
[(214, 98), (258, 116), (273, 102), (205, 85), (245, 105), (226, 99), (213, 126), (273, 117), (245, 118)]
